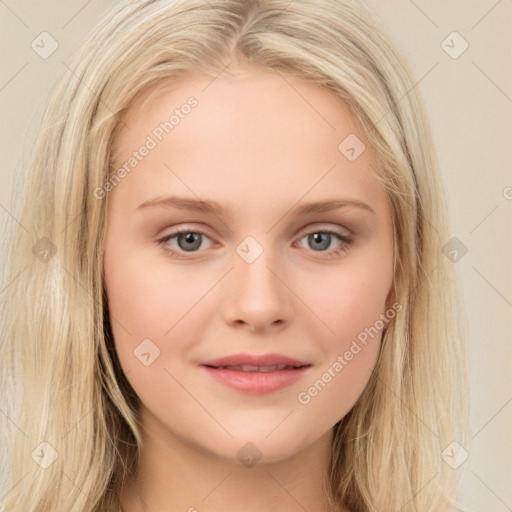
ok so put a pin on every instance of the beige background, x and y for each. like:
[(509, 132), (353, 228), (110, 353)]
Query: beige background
[(469, 100)]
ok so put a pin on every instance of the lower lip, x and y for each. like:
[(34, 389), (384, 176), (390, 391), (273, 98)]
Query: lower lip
[(257, 383)]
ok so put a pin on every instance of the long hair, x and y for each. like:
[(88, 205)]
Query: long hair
[(69, 412)]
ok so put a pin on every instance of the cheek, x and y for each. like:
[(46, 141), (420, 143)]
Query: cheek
[(152, 300), (147, 292), (351, 308), (350, 298)]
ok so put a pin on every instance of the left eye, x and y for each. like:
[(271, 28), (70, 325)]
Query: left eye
[(321, 240)]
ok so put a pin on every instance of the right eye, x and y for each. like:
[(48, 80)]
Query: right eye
[(186, 241)]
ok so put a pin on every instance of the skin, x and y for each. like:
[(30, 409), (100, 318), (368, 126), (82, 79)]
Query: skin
[(259, 145)]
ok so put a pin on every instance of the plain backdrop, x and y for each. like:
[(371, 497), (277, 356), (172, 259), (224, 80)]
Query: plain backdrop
[(469, 100)]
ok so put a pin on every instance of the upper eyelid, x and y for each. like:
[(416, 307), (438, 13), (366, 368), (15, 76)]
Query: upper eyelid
[(325, 228)]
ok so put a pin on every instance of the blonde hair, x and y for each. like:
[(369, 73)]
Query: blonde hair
[(61, 380)]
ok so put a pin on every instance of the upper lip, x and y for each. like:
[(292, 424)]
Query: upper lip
[(254, 360)]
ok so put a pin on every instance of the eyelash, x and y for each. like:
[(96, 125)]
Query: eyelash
[(180, 254)]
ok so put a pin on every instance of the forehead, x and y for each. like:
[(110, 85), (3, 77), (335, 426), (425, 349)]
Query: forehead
[(251, 130), (244, 98)]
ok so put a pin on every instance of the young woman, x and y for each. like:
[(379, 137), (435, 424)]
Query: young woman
[(230, 292)]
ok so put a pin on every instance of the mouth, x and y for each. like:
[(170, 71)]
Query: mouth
[(252, 368), (256, 375)]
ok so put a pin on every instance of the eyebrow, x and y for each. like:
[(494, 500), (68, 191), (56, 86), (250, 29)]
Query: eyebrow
[(213, 207)]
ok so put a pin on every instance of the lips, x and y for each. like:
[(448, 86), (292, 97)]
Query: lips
[(256, 374), (255, 368), (263, 361)]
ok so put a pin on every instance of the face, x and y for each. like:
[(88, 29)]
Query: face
[(265, 262)]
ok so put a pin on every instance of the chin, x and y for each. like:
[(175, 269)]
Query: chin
[(260, 448)]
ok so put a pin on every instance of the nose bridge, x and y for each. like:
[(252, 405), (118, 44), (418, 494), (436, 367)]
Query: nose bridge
[(257, 296), (253, 274)]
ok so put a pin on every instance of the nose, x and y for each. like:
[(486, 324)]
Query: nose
[(257, 297)]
